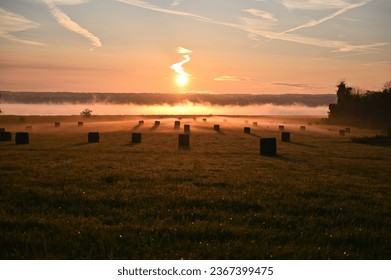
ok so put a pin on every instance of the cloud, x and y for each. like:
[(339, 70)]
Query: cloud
[(261, 14), (177, 67), (176, 2), (314, 4), (292, 85), (70, 2), (64, 20), (11, 22), (234, 78), (254, 31)]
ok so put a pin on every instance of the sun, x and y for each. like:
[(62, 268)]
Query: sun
[(181, 80)]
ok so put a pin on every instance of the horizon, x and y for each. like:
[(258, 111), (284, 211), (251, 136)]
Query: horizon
[(248, 47)]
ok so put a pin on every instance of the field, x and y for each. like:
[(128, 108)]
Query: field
[(321, 197)]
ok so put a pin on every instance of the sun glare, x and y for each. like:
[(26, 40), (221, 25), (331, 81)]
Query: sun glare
[(181, 80)]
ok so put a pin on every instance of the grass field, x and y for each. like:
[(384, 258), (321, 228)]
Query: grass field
[(321, 197)]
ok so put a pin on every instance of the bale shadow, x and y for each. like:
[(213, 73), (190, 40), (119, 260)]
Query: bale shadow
[(154, 127), (255, 135), (81, 144), (284, 158), (184, 148), (302, 144), (136, 127)]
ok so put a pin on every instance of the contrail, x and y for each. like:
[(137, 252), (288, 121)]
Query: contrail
[(64, 20), (177, 67)]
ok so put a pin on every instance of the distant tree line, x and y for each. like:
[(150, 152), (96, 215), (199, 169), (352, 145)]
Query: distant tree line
[(370, 108), (311, 100)]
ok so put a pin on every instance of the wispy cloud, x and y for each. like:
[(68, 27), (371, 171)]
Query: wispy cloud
[(64, 20), (284, 36), (228, 78), (11, 22), (175, 2), (70, 2), (262, 14), (314, 4), (177, 67)]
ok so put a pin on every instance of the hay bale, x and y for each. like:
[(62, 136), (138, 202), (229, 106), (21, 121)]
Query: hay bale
[(285, 136), (79, 124), (57, 124), (246, 121), (342, 132), (177, 124), (186, 128), (268, 146), (347, 129), (5, 136), (157, 123), (204, 120), (93, 137), (140, 122), (21, 138), (136, 138), (184, 140), (302, 128), (281, 128), (2, 130), (247, 130), (216, 127), (255, 123), (195, 119)]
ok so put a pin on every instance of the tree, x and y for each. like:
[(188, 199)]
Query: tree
[(86, 113)]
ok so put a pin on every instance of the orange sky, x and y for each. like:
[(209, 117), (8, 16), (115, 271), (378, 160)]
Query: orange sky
[(295, 46)]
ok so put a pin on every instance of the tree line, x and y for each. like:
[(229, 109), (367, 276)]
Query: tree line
[(370, 108)]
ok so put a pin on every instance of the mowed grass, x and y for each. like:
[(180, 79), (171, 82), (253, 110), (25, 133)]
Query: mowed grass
[(322, 197)]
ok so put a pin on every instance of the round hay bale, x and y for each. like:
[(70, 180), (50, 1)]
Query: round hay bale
[(184, 140), (79, 124), (342, 132), (347, 129), (268, 146), (281, 128), (216, 127), (285, 136), (57, 124), (136, 138), (247, 130), (177, 124), (186, 128), (140, 122), (22, 138), (5, 136), (302, 128), (255, 123), (93, 137), (157, 123)]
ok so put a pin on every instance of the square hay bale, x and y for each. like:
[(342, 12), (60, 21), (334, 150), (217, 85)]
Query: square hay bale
[(140, 122), (5, 136), (57, 124), (216, 127), (186, 128), (302, 128), (268, 146), (247, 130), (136, 138), (342, 132), (194, 119), (93, 137), (79, 124), (204, 120), (285, 136), (255, 123), (347, 129), (22, 138), (184, 140), (281, 128), (157, 123), (177, 124)]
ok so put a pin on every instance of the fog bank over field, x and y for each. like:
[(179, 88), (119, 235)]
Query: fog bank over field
[(148, 99)]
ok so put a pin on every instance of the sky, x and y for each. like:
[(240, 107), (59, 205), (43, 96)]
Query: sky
[(198, 46)]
